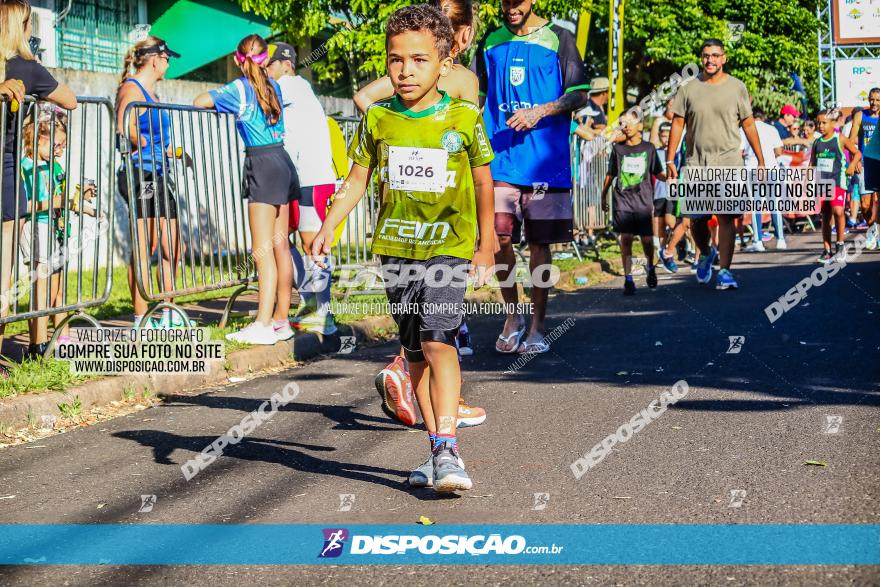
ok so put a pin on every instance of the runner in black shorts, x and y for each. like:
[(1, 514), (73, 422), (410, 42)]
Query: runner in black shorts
[(151, 192), (632, 163), (425, 313)]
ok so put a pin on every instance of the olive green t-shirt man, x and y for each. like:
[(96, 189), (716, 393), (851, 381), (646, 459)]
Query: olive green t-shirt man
[(712, 114)]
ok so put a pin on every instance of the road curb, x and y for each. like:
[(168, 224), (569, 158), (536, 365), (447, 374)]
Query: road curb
[(28, 409)]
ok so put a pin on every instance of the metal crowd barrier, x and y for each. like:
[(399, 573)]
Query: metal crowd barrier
[(588, 167), (76, 246), (202, 176), (353, 248)]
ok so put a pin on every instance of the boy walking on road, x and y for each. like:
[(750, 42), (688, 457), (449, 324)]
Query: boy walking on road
[(433, 158), (633, 162)]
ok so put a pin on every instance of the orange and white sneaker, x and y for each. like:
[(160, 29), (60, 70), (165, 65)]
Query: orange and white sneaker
[(395, 389), (469, 415)]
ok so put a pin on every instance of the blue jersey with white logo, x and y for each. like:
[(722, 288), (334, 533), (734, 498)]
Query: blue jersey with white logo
[(866, 129), (521, 72), (240, 98)]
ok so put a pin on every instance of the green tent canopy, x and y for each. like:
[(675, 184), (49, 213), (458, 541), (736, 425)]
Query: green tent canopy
[(203, 31)]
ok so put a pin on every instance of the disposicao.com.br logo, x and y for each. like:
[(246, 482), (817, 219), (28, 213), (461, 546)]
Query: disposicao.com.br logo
[(452, 544)]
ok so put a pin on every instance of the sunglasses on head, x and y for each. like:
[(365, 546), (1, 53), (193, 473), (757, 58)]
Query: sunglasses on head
[(259, 59), (160, 49)]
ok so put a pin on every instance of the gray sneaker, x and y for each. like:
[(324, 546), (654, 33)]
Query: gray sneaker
[(449, 473), (423, 475)]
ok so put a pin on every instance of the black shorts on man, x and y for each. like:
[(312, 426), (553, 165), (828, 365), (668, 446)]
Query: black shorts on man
[(871, 174), (629, 222), (663, 207)]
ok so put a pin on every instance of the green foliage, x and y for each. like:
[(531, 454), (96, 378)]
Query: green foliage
[(72, 409), (38, 375), (661, 37), (353, 31), (779, 38)]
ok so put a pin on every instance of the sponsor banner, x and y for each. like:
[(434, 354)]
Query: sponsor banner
[(856, 22), (264, 544), (854, 78)]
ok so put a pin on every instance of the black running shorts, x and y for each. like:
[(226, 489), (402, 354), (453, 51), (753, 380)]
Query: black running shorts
[(427, 300)]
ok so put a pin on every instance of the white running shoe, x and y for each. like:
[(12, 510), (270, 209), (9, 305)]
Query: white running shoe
[(755, 247), (781, 245), (255, 333), (283, 330), (872, 237)]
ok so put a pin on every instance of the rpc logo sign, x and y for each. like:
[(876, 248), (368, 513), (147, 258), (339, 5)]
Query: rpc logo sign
[(862, 70), (334, 541)]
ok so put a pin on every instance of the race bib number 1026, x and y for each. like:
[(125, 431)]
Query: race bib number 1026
[(415, 169)]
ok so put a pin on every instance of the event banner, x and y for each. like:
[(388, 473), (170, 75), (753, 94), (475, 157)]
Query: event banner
[(265, 544)]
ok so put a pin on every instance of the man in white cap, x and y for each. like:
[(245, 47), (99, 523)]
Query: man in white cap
[(598, 101)]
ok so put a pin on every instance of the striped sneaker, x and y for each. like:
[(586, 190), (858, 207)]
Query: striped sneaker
[(395, 389), (449, 473)]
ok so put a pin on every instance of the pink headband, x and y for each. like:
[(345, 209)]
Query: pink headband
[(258, 59)]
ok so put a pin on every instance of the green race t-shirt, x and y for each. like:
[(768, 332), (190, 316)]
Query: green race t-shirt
[(424, 159)]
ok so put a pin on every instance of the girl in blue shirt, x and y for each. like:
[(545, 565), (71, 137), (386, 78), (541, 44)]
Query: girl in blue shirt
[(270, 182)]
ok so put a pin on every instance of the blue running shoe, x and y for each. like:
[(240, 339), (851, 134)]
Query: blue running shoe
[(704, 267), (725, 280), (668, 263)]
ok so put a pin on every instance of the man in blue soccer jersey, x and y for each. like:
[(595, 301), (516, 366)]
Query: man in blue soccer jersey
[(531, 78)]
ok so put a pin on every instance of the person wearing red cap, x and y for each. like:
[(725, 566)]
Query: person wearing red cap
[(787, 116)]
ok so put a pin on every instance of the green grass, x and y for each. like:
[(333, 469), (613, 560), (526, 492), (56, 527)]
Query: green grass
[(119, 302), (72, 409), (38, 375)]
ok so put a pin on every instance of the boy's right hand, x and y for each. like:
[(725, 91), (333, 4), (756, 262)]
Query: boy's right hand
[(671, 171), (322, 246)]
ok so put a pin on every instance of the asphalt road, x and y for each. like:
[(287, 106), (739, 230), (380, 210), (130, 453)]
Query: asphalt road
[(749, 423)]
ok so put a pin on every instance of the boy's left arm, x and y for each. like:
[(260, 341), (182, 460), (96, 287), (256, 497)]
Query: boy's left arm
[(485, 255)]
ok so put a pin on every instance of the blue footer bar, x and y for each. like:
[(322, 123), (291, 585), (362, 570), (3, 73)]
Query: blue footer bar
[(265, 544)]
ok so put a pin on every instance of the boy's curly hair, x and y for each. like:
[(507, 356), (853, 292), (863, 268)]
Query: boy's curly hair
[(422, 17)]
